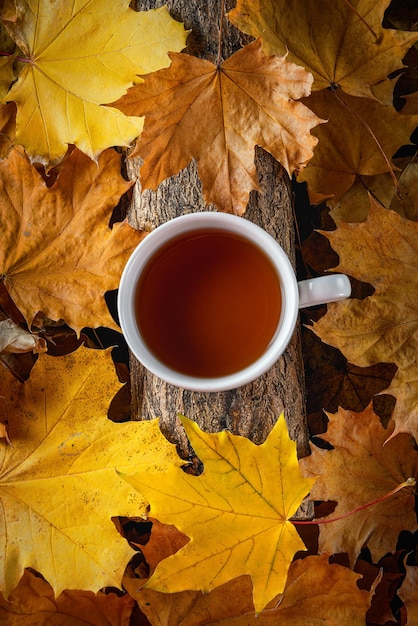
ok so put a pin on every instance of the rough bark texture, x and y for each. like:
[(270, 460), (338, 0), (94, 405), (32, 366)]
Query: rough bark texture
[(253, 409)]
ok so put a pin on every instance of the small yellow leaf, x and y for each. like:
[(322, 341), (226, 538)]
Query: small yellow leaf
[(236, 513), (82, 55), (58, 482)]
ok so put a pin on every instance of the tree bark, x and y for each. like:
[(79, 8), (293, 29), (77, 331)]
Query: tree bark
[(253, 409)]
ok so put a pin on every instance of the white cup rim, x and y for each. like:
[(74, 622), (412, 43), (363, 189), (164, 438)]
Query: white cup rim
[(194, 221)]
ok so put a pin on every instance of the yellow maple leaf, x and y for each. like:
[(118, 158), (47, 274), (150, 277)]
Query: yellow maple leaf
[(360, 469), (218, 116), (58, 483), (58, 254), (236, 513), (383, 327), (33, 603), (341, 45), (79, 56)]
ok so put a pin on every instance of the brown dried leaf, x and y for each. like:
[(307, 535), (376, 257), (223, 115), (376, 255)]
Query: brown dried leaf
[(218, 116), (313, 588), (353, 143), (360, 469), (408, 594), (13, 338), (342, 43), (33, 603)]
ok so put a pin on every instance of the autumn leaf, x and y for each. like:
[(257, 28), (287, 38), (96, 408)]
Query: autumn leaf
[(314, 587), (408, 593), (6, 74), (360, 469), (341, 45), (13, 338), (218, 116), (58, 483), (7, 128), (333, 382), (81, 56), (382, 327), (58, 254), (33, 602), (354, 205), (236, 513), (360, 138)]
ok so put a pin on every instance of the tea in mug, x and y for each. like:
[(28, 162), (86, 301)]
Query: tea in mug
[(208, 303)]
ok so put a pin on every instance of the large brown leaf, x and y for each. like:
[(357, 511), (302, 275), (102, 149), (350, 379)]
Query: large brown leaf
[(384, 326), (339, 44), (218, 115), (57, 253), (360, 138), (360, 469)]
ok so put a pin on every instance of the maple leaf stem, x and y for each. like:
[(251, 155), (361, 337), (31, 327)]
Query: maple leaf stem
[(221, 19), (10, 54), (410, 482), (350, 6), (375, 139)]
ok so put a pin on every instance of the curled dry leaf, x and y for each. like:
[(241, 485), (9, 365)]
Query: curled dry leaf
[(342, 45), (384, 326), (57, 252), (13, 338), (218, 116), (59, 91), (361, 469), (58, 483), (235, 513), (33, 603)]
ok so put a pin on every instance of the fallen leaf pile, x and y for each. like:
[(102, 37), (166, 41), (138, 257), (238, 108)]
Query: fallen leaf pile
[(102, 523)]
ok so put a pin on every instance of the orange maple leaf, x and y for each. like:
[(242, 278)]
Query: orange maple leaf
[(218, 116), (361, 469), (58, 254)]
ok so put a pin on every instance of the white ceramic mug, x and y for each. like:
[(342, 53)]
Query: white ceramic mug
[(294, 295)]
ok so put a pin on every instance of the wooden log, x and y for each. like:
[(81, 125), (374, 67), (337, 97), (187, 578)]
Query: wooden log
[(253, 409)]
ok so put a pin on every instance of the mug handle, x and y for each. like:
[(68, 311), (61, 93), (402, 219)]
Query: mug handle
[(323, 289)]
